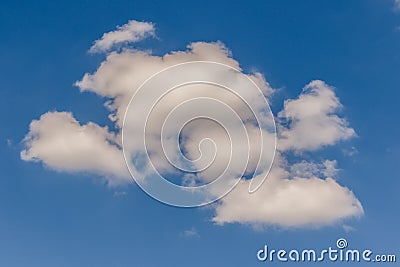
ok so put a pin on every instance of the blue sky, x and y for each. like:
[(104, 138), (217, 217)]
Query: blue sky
[(53, 218)]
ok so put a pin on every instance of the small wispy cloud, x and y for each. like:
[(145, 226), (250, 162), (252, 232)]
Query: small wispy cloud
[(120, 193), (9, 142), (133, 31), (190, 233), (351, 151), (348, 228), (397, 4)]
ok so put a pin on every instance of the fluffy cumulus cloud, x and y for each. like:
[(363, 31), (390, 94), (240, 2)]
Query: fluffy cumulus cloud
[(299, 193), (131, 32), (311, 119), (296, 196), (61, 143)]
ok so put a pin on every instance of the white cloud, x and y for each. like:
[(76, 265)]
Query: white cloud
[(117, 78), (131, 32), (299, 194), (289, 198), (289, 203), (310, 121), (302, 193), (61, 143), (121, 74)]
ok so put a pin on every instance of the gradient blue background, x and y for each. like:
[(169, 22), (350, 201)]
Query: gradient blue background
[(57, 219)]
